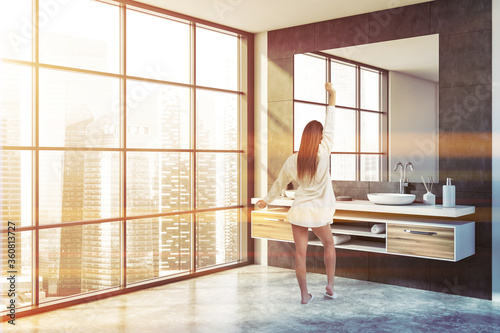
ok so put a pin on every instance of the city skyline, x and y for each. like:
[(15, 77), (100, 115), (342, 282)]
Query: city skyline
[(80, 174)]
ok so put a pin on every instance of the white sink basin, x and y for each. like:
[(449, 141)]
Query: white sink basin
[(391, 198)]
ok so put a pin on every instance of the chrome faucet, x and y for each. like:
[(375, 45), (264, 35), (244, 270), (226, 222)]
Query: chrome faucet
[(403, 178), (408, 164), (401, 186)]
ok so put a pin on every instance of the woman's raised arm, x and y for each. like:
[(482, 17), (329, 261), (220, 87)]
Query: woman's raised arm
[(332, 93), (327, 140)]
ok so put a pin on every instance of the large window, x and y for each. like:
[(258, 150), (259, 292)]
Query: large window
[(359, 151), (123, 143)]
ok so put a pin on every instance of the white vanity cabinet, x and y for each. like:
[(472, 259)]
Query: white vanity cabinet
[(437, 234)]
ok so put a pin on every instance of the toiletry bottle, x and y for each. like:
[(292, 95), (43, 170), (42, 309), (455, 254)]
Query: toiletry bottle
[(448, 194), (429, 198)]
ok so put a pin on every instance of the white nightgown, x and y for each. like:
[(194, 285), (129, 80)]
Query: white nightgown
[(314, 203)]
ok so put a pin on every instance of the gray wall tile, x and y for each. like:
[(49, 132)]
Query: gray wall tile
[(397, 23), (356, 190), (483, 232), (280, 131), (465, 109), (383, 187), (342, 32), (458, 16), (400, 270), (280, 87), (338, 184), (352, 264), (465, 59), (468, 277), (475, 169), (281, 254), (285, 43)]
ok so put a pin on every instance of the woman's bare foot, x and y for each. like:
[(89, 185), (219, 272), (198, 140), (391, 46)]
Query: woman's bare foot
[(329, 290), (307, 300)]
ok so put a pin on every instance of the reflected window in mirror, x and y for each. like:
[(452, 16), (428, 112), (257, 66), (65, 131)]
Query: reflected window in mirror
[(360, 137)]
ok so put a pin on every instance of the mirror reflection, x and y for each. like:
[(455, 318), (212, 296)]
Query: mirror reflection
[(399, 78)]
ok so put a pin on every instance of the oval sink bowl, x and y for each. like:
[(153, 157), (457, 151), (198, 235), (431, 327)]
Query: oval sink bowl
[(391, 198)]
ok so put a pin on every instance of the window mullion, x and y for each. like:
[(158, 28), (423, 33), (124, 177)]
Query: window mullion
[(329, 79), (194, 225), (35, 158), (123, 131), (358, 123)]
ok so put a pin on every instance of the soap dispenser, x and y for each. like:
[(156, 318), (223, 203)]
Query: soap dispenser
[(448, 194)]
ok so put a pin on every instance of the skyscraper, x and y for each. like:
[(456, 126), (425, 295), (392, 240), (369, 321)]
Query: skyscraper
[(175, 184), (10, 161), (101, 242)]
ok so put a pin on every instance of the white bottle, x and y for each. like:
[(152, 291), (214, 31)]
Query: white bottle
[(429, 198), (448, 194)]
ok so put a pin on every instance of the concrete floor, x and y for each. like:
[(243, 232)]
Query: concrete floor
[(266, 299)]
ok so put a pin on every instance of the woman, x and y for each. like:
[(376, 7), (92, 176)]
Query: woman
[(314, 203)]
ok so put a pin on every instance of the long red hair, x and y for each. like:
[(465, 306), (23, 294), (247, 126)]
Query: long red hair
[(307, 159)]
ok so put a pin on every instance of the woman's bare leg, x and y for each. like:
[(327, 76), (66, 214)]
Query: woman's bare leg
[(300, 238), (325, 235)]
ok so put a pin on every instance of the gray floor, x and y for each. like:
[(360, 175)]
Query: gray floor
[(266, 299)]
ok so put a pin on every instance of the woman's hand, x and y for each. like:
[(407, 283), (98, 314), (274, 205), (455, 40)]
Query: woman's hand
[(332, 92), (261, 204), (329, 88)]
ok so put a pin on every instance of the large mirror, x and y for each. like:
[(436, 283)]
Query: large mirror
[(412, 96), (413, 92)]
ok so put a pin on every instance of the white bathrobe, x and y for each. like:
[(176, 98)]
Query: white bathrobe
[(314, 203)]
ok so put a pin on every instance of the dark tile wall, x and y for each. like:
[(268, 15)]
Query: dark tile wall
[(400, 271), (453, 17), (465, 59), (342, 32), (397, 23), (290, 41), (281, 254), (279, 126), (282, 89), (465, 277), (465, 91)]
